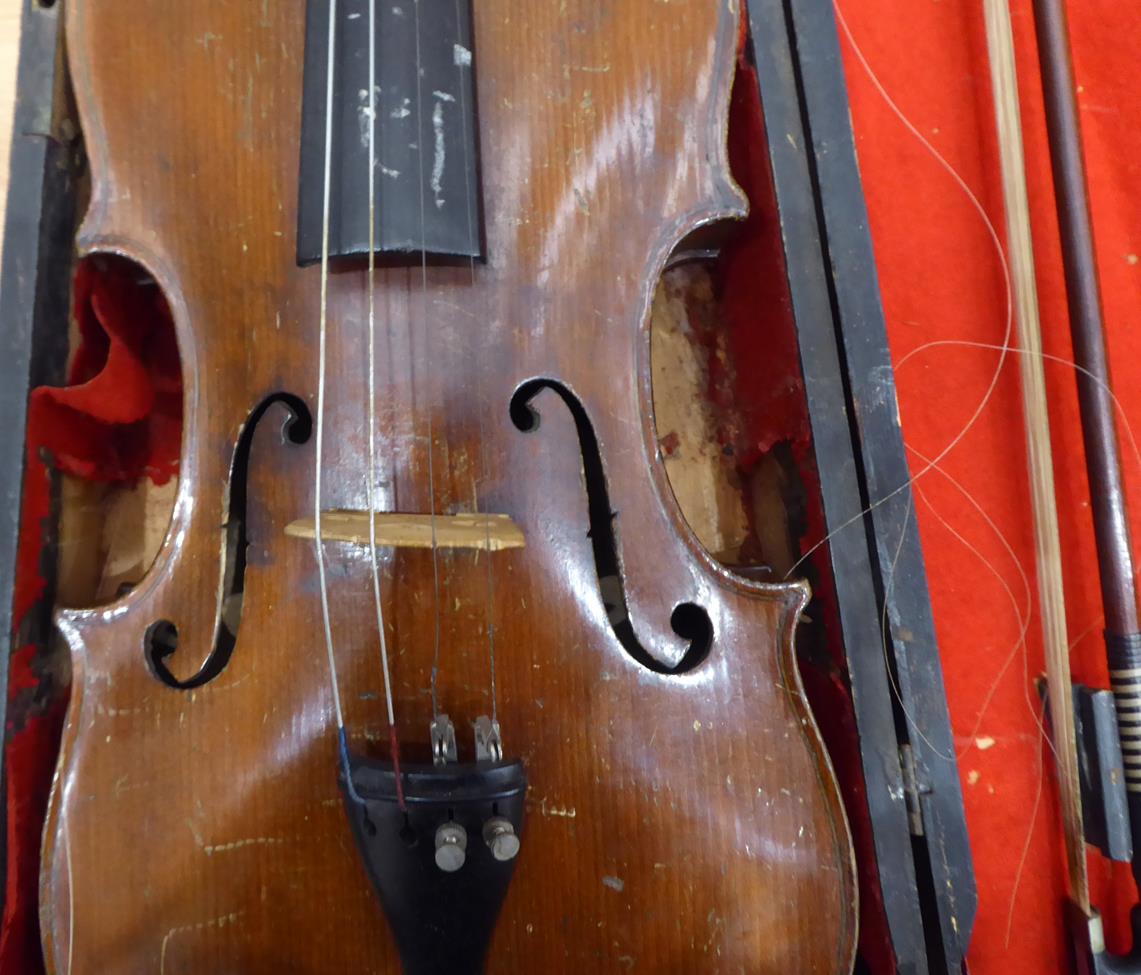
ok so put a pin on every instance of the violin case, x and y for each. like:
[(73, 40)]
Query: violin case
[(869, 654)]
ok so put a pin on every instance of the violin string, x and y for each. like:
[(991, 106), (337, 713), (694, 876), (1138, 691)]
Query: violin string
[(1018, 648), (893, 678), (484, 398), (1008, 291), (1134, 450), (1020, 645), (1007, 347), (930, 464), (1118, 406), (1040, 778), (1022, 611), (318, 541), (394, 741), (427, 373), (1004, 348), (984, 401)]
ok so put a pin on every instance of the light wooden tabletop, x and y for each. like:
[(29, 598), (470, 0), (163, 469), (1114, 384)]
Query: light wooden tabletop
[(9, 49)]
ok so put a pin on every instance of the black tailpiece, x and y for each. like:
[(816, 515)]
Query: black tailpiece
[(442, 865)]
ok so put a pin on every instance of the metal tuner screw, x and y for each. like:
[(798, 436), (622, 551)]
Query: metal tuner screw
[(451, 846), (499, 835)]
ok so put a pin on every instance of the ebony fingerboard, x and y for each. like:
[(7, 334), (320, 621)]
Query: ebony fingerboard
[(426, 143)]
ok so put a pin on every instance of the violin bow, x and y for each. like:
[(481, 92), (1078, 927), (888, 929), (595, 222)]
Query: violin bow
[(1099, 434)]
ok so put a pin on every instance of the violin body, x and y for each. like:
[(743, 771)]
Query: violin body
[(682, 815)]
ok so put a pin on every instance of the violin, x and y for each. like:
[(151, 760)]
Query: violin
[(430, 673)]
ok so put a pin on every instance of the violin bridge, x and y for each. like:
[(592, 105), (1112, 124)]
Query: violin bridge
[(486, 532)]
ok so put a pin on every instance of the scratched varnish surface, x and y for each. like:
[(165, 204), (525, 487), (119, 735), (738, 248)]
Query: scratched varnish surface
[(676, 822)]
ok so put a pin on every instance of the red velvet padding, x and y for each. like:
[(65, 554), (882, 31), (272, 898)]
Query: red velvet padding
[(119, 420)]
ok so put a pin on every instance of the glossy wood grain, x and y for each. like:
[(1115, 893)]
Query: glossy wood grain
[(676, 822)]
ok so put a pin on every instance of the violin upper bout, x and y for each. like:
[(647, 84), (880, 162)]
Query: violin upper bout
[(703, 66), (723, 198)]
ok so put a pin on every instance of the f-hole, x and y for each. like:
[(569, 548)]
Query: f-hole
[(161, 640), (688, 620)]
